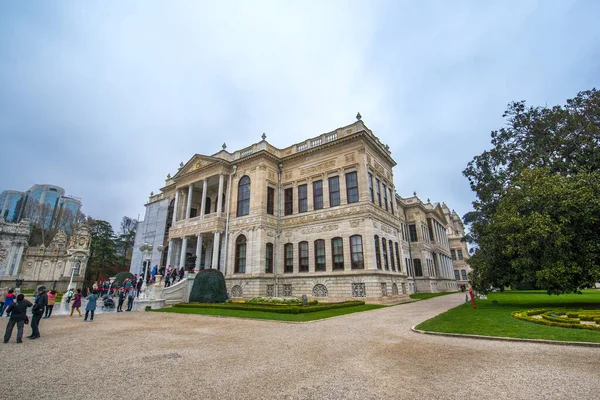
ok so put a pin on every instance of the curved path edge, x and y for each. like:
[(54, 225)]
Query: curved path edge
[(507, 339)]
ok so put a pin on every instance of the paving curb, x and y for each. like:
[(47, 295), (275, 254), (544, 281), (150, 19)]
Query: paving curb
[(507, 339)]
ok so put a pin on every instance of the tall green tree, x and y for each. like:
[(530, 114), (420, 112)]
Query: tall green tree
[(538, 148), (126, 238), (102, 248)]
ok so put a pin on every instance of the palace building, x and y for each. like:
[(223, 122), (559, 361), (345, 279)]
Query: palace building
[(320, 218)]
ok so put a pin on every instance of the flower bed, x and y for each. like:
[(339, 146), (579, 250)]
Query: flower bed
[(561, 317)]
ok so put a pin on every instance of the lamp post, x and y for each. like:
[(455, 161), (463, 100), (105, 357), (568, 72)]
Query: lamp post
[(146, 249)]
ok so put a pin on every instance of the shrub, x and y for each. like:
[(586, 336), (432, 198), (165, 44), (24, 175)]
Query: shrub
[(209, 287), (295, 310), (282, 309), (120, 278)]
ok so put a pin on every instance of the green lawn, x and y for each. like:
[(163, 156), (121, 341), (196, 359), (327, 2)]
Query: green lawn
[(424, 296), (271, 316), (496, 320)]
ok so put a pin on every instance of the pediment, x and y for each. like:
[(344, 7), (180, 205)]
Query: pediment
[(439, 211), (195, 163)]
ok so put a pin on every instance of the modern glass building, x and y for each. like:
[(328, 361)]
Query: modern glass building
[(45, 204), (11, 203)]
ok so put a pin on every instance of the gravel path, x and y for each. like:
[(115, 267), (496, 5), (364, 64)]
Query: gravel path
[(368, 355)]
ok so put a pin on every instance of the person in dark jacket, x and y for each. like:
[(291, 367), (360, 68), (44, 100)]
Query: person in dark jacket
[(122, 296), (39, 306), (140, 283), (17, 317)]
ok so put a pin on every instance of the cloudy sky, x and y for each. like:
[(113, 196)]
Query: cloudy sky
[(105, 98)]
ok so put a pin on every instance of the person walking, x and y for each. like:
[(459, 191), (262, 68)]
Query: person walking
[(69, 295), (76, 303), (38, 310), (91, 306), (9, 300), (130, 297), (18, 314), (181, 273), (167, 280), (51, 302), (122, 295), (139, 287)]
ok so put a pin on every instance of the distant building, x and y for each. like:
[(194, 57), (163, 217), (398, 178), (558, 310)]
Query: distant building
[(45, 204), (458, 248), (320, 217)]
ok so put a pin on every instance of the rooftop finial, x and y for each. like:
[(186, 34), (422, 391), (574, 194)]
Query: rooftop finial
[(414, 193), (358, 116), (168, 176), (224, 146), (151, 194), (429, 201), (264, 136), (181, 165)]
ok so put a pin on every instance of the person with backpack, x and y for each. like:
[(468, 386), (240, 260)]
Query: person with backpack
[(18, 316), (9, 300)]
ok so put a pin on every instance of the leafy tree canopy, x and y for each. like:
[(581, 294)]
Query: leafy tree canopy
[(535, 217)]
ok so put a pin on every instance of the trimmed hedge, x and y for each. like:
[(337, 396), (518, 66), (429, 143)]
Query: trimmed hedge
[(273, 308), (552, 317), (209, 287)]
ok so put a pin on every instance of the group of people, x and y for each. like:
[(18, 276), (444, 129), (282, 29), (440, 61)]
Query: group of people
[(171, 275), (17, 313)]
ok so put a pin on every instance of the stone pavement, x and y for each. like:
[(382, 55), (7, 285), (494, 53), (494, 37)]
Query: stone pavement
[(368, 355)]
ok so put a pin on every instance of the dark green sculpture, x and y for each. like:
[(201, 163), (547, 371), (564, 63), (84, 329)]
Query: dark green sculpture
[(120, 278), (209, 287)]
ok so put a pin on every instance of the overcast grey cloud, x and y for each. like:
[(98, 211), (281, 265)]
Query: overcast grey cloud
[(106, 98)]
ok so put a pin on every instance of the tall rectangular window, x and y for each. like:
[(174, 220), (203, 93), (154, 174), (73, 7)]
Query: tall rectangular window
[(270, 200), (392, 262), (456, 275), (385, 196), (288, 249), (460, 254), (453, 252), (391, 200), (319, 255), (384, 254), (318, 195), (371, 188), (351, 187), (288, 195), (269, 259), (412, 231), (377, 252), (418, 268), (356, 252), (334, 191), (303, 256), (337, 252), (378, 191), (302, 198), (398, 257)]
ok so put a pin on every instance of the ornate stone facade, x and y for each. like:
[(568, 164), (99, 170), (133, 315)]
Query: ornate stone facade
[(320, 218), (51, 266)]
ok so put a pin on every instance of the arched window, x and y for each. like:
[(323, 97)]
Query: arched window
[(356, 252), (392, 255), (456, 275), (303, 256), (463, 274), (319, 255), (243, 205), (240, 255), (384, 253), (207, 205), (337, 252), (377, 255), (269, 259)]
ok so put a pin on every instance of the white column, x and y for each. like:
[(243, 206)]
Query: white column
[(18, 260), (175, 207), (203, 204), (222, 259), (198, 253), (208, 255), (183, 252), (188, 209), (215, 253), (9, 260), (220, 194), (170, 252)]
